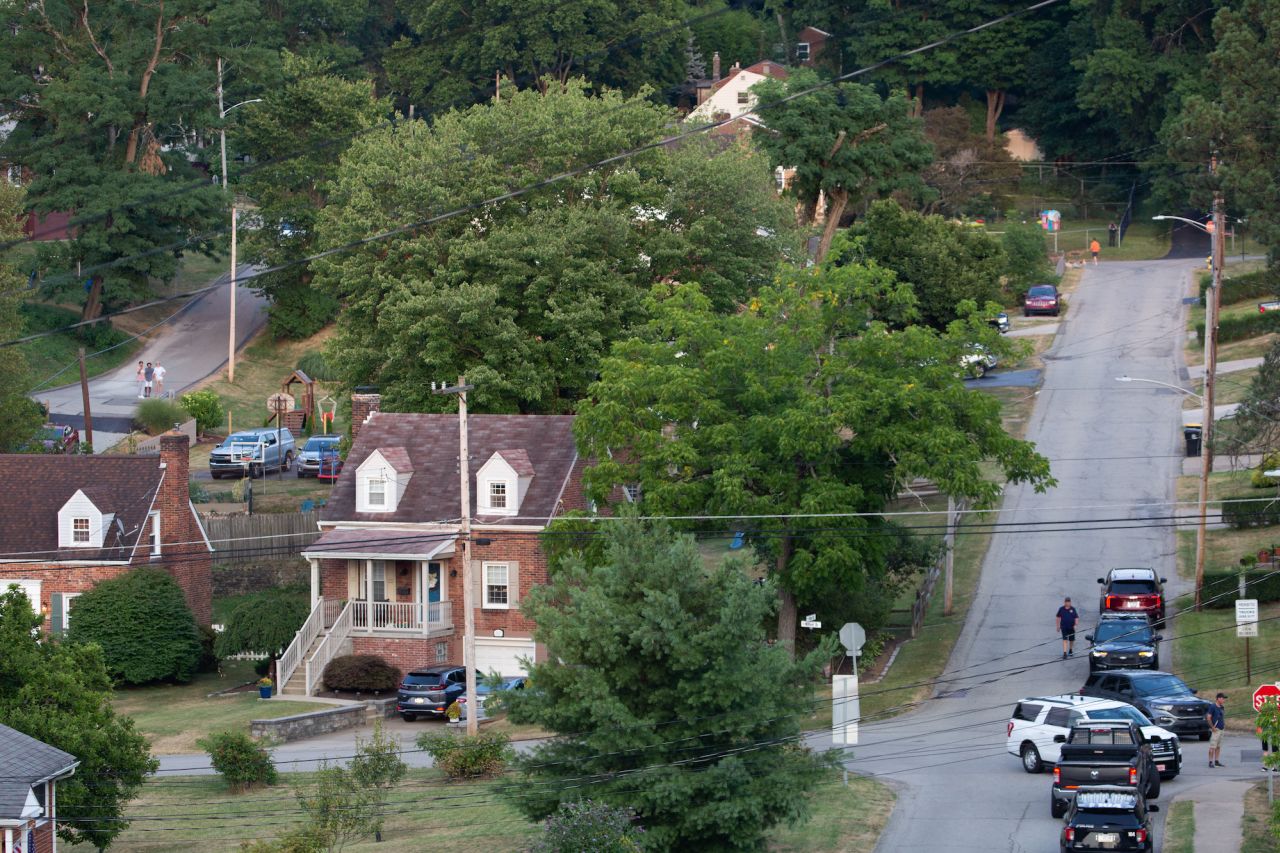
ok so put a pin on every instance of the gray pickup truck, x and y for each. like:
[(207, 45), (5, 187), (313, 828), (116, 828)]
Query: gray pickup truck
[(252, 453), (1103, 752)]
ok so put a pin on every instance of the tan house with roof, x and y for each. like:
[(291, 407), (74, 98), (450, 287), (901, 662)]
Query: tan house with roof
[(386, 572)]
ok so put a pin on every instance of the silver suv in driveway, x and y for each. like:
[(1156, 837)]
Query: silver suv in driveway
[(252, 452)]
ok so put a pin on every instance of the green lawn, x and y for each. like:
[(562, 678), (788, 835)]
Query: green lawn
[(427, 812), (1209, 657), (53, 361), (1257, 823), (174, 717), (1180, 828)]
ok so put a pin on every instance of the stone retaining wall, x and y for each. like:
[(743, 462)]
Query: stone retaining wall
[(300, 726)]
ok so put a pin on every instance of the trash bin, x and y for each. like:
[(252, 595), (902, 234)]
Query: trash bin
[(1192, 433)]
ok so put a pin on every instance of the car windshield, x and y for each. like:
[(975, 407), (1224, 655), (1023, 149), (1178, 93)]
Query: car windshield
[(242, 438), (1161, 685), (319, 443), (1126, 630), (1132, 587), (1126, 712), (1041, 290)]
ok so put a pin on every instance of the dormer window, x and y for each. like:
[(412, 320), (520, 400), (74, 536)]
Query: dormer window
[(377, 494), (381, 480), (81, 524), (80, 531), (497, 495), (503, 481)]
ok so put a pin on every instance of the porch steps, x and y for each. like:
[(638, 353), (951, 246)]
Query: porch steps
[(297, 683)]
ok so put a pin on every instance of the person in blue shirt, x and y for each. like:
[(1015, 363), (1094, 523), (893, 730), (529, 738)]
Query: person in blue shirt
[(1067, 618), (1217, 718)]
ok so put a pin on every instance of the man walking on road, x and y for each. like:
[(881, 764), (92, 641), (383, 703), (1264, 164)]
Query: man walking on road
[(1067, 617), (1217, 724), (1095, 247)]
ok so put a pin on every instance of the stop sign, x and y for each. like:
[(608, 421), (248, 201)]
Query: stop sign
[(1264, 694)]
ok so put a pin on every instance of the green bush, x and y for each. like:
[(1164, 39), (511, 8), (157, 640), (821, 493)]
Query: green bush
[(158, 415), (197, 493), (1262, 584), (1258, 479), (1262, 285), (1241, 511), (264, 623), (205, 406), (208, 656), (1239, 328), (317, 367), (589, 825), (467, 756), (365, 673), (241, 760), (143, 625)]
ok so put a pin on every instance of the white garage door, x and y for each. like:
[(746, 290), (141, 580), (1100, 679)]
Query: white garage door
[(501, 655)]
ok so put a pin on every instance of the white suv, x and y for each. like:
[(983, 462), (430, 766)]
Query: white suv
[(1037, 721)]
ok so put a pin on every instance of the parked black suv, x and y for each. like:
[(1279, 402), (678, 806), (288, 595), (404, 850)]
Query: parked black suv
[(1164, 698), (430, 691), (1105, 817), (1121, 641)]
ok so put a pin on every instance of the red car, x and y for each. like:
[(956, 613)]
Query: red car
[(1133, 591), (1041, 299)]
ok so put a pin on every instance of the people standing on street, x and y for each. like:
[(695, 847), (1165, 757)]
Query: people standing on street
[(1066, 619), (1113, 234), (149, 376), (159, 379), (1095, 247), (1217, 725), (142, 381)]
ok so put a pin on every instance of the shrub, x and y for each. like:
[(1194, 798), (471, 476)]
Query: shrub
[(1262, 285), (241, 760), (588, 825), (1258, 479), (208, 657), (1262, 584), (264, 623), (1238, 328), (466, 756), (205, 407), (142, 623), (158, 415), (1241, 511), (360, 672), (317, 367), (197, 493)]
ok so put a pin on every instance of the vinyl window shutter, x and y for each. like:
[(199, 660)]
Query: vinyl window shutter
[(477, 578), (513, 584), (353, 580), (55, 613)]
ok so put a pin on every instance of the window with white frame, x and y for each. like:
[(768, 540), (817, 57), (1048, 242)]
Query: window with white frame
[(377, 492), (155, 534), (497, 585), (744, 97), (498, 495), (80, 531), (68, 599), (442, 652), (632, 491), (802, 51), (378, 580)]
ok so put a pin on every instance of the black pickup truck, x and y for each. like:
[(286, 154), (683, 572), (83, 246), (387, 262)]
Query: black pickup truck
[(1103, 752)]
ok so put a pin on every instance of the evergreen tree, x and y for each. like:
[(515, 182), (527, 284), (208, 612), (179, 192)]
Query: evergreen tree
[(22, 416)]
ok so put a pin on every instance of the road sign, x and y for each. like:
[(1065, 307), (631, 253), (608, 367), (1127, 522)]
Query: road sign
[(1247, 629), (810, 622), (845, 710), (853, 637), (1246, 611), (1264, 694), (1264, 307)]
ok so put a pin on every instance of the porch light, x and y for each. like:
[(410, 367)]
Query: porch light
[(498, 632)]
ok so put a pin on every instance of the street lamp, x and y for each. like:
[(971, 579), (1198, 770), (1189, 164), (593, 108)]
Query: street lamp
[(222, 133), (1178, 388)]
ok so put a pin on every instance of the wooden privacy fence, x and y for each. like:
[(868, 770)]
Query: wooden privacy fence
[(942, 569), (252, 537)]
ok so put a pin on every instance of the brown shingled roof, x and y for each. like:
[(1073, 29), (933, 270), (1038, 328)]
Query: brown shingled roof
[(431, 442), (518, 459), (38, 485), (397, 458)]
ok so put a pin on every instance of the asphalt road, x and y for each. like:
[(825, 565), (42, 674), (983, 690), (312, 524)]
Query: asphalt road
[(191, 346), (1115, 450)]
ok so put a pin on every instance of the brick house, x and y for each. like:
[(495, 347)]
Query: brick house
[(70, 521), (386, 572), (28, 796)]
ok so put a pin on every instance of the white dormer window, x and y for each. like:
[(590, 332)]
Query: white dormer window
[(377, 492), (502, 482), (80, 523), (497, 495), (381, 480), (80, 531)]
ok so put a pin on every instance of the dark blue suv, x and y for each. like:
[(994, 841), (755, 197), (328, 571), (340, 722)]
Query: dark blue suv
[(430, 691)]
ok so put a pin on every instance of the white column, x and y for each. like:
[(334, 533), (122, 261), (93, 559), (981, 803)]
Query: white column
[(315, 581)]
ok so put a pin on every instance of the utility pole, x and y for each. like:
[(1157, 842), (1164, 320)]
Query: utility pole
[(464, 535), (1212, 308), (948, 557), (84, 393), (222, 134)]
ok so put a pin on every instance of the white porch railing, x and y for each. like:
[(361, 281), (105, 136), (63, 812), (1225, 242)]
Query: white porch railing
[(292, 657), (410, 617), (330, 647)]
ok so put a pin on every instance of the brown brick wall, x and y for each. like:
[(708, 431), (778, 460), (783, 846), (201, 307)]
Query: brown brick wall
[(409, 652), (183, 552), (363, 405), (55, 578)]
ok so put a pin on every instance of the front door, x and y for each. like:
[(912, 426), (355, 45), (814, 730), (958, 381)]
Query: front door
[(432, 581)]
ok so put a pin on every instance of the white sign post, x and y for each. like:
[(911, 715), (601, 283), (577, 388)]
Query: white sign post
[(810, 622), (1246, 627), (845, 702)]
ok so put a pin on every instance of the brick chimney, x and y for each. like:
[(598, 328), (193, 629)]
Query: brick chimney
[(715, 67), (362, 408), (183, 553)]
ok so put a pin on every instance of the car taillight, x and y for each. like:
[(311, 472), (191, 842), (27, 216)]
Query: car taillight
[(1133, 776), (1141, 835), (1057, 775), (1068, 834), (1110, 600), (1009, 729)]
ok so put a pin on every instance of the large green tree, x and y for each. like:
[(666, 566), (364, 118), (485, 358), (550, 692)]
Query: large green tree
[(846, 143), (22, 416), (110, 98), (805, 405), (666, 697), (945, 262), (60, 693), (525, 296), (298, 134)]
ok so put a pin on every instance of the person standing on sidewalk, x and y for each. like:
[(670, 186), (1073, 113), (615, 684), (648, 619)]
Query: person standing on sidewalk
[(159, 389), (1113, 232), (1266, 748), (142, 381), (1217, 718), (1066, 620), (149, 376)]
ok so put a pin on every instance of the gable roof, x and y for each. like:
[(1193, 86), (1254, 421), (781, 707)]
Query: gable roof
[(518, 459), (431, 443), (764, 68), (26, 762), (40, 484), (397, 458)]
